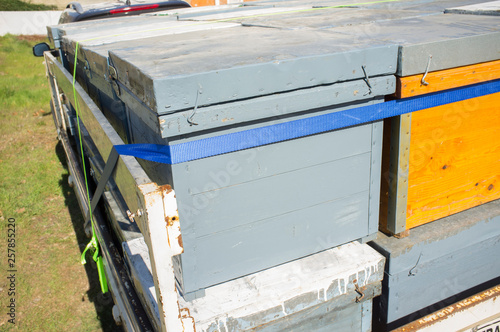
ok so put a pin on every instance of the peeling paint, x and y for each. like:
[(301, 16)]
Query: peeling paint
[(170, 220), (188, 322), (166, 188), (179, 240)]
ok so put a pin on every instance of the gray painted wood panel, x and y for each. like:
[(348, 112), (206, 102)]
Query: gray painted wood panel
[(272, 119), (440, 259), (279, 60), (375, 176), (326, 318), (330, 18), (474, 39), (256, 246), (104, 32), (442, 278), (308, 197), (276, 108), (279, 52), (244, 166), (278, 194)]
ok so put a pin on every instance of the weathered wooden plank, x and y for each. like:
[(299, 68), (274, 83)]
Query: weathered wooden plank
[(395, 168), (123, 228), (286, 296), (410, 86), (375, 176)]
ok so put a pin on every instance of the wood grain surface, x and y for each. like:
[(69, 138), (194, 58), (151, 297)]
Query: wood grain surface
[(411, 86), (454, 159)]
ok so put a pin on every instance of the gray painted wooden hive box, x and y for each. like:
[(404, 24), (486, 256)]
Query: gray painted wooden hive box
[(416, 142), (423, 33), (272, 190), (328, 291), (438, 261)]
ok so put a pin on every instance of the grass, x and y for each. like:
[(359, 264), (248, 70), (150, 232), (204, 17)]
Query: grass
[(18, 5), (54, 292)]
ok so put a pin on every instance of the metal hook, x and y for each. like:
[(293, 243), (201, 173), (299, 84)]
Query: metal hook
[(190, 118), (113, 77), (367, 80), (358, 290), (426, 71), (410, 273)]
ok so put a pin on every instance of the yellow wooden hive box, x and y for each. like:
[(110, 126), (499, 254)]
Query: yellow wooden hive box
[(441, 160)]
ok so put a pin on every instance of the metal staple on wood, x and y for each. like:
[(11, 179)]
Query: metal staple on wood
[(426, 71)]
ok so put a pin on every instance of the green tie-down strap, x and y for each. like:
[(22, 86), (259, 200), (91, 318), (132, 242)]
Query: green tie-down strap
[(93, 242), (106, 174), (98, 259)]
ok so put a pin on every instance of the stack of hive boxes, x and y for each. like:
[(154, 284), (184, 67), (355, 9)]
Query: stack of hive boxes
[(274, 118), (441, 171), (274, 181)]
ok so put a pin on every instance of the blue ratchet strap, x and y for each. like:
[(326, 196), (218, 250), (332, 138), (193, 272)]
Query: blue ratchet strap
[(212, 146)]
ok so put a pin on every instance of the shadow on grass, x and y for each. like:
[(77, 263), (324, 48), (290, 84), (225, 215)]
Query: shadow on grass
[(103, 303)]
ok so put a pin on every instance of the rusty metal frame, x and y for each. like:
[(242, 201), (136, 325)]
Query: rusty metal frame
[(154, 207), (398, 172)]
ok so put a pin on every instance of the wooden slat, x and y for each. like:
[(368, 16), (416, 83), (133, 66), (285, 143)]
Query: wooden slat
[(454, 159), (386, 175), (394, 188), (411, 86)]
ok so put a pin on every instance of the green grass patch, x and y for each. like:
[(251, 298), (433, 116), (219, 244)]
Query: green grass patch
[(54, 292), (18, 5)]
